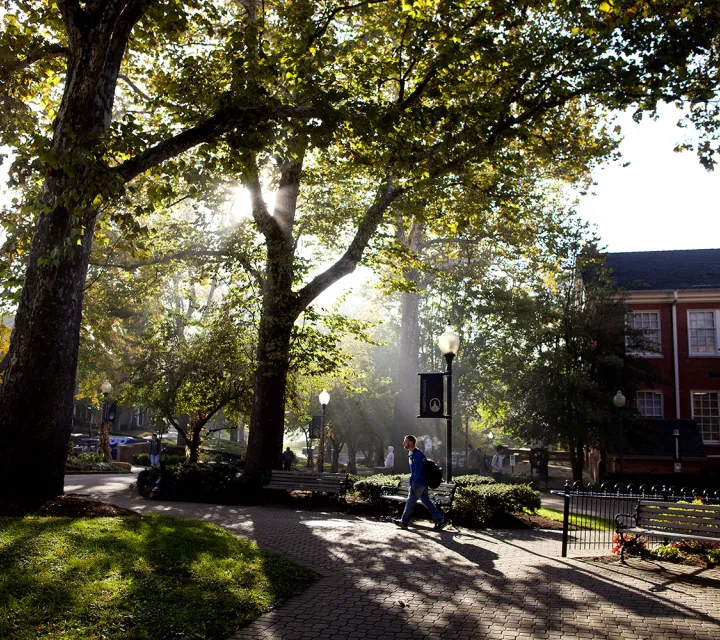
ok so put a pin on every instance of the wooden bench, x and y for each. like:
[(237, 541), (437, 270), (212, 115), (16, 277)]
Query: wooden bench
[(329, 483), (671, 520), (442, 496)]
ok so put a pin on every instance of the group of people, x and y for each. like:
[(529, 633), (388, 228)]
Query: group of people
[(477, 462)]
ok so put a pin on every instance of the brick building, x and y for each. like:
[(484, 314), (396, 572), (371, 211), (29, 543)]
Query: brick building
[(675, 300)]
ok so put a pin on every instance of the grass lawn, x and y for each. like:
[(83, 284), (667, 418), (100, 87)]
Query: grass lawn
[(144, 577), (579, 520)]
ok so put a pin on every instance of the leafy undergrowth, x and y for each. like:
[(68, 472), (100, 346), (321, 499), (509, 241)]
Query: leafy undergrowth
[(143, 577)]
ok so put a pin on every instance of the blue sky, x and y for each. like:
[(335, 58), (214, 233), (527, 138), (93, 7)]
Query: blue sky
[(663, 200)]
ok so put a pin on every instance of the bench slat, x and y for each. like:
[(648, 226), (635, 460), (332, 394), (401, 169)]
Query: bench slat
[(679, 505)]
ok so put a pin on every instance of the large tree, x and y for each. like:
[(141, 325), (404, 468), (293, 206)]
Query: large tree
[(407, 90)]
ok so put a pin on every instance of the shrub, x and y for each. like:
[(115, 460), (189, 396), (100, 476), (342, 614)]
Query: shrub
[(218, 483), (142, 459), (79, 464), (370, 488), (669, 553), (474, 479), (90, 457), (480, 504)]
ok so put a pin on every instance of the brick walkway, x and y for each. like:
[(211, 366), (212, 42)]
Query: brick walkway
[(491, 584)]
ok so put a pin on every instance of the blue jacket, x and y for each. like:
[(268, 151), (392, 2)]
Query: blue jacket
[(417, 467)]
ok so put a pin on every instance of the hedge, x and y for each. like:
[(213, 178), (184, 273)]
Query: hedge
[(217, 483), (370, 488), (143, 459), (480, 504)]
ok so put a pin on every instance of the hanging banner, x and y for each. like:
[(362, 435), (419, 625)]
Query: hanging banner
[(316, 427), (432, 392)]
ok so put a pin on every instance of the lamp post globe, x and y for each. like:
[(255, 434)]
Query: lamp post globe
[(449, 343), (619, 400), (324, 399)]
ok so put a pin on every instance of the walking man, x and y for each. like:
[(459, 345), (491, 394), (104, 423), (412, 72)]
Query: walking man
[(288, 459), (497, 463), (418, 488), (155, 447)]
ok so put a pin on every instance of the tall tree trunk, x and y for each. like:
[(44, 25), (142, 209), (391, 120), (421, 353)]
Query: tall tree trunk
[(193, 444), (406, 400), (36, 399), (352, 457), (577, 459)]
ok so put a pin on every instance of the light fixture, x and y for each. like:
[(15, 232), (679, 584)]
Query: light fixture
[(619, 400), (449, 342), (106, 387), (324, 397)]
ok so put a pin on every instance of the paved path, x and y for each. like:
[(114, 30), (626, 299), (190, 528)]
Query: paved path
[(381, 582)]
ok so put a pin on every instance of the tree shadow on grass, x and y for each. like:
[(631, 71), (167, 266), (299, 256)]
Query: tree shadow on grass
[(153, 577)]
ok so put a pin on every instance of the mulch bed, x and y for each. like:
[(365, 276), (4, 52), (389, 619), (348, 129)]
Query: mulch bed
[(72, 507)]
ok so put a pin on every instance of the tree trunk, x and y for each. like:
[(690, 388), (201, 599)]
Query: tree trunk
[(36, 399), (105, 448), (194, 443), (352, 457), (335, 465), (406, 401), (577, 460)]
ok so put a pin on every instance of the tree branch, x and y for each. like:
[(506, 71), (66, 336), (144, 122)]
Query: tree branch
[(349, 260), (48, 51), (222, 122)]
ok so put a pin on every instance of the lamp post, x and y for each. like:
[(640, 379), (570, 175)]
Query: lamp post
[(449, 343), (324, 398), (619, 402), (106, 388)]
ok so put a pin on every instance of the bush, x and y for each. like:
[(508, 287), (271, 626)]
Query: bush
[(142, 459), (370, 488), (217, 483), (474, 479), (92, 462), (480, 504), (669, 553)]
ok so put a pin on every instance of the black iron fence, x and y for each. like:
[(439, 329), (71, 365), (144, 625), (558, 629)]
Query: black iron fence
[(589, 510)]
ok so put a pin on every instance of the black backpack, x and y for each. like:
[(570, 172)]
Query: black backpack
[(433, 473)]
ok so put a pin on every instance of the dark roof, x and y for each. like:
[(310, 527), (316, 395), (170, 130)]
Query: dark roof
[(655, 438), (666, 270)]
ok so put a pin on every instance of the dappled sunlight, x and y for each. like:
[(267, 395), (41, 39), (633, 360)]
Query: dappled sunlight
[(441, 584)]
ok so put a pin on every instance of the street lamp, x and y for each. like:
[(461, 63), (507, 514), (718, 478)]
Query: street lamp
[(449, 343), (106, 388), (324, 398), (619, 402)]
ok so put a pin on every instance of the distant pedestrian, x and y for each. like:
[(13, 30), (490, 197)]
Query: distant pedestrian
[(473, 460), (288, 459), (390, 459), (497, 462), (418, 488), (155, 446)]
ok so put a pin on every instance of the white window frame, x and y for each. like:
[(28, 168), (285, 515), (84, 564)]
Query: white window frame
[(692, 409), (716, 319), (662, 403), (139, 417), (629, 320)]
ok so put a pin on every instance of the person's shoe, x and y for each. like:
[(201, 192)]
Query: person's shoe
[(400, 524), (442, 524)]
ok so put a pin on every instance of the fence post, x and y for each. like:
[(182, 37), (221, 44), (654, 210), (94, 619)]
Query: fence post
[(566, 519)]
